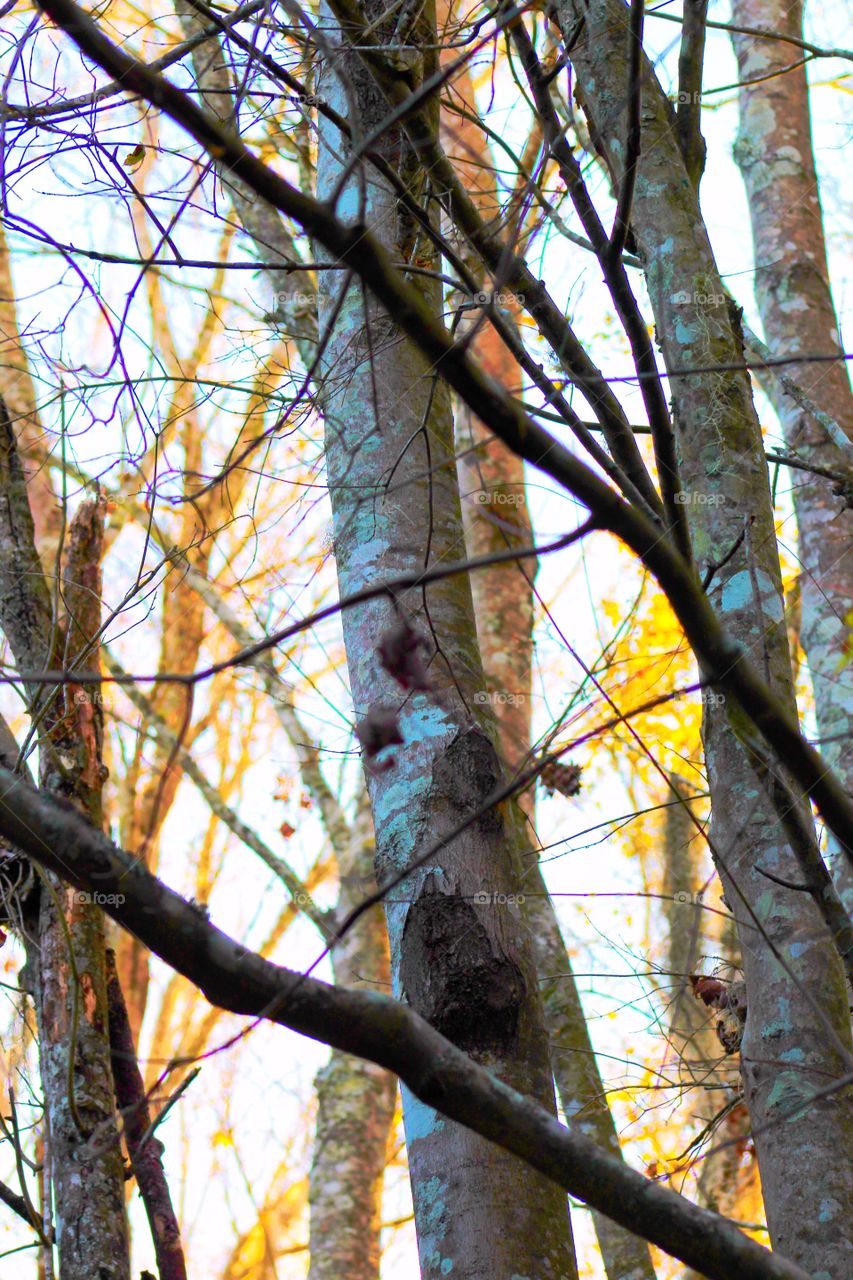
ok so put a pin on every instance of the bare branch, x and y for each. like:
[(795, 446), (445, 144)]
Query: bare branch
[(377, 1028)]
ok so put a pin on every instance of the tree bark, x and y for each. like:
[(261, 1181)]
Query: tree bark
[(64, 929), (708, 1075), (145, 1151), (775, 155), (19, 395), (496, 517), (355, 1099), (459, 953), (797, 1031)]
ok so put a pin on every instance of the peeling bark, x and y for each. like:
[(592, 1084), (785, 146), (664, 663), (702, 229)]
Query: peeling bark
[(63, 928), (71, 1000)]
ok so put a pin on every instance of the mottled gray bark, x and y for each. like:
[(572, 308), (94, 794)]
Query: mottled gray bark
[(797, 1035), (355, 1099), (459, 950), (708, 1073), (64, 929), (383, 1030), (576, 1073), (775, 155)]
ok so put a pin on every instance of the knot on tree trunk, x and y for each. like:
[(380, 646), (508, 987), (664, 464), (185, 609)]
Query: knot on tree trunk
[(454, 977)]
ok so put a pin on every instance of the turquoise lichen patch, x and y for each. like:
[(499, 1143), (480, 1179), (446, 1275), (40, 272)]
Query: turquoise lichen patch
[(829, 1209), (423, 1121)]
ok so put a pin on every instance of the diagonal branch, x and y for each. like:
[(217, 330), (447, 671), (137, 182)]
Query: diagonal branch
[(724, 663), (377, 1028)]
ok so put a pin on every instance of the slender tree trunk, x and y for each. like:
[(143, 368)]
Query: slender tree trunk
[(459, 952), (144, 1150), (65, 929), (19, 395), (65, 938), (496, 517), (789, 1049), (775, 155), (74, 1048), (355, 1099), (707, 1073), (690, 1028)]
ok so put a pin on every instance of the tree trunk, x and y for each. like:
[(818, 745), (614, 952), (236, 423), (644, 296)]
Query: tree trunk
[(775, 157), (459, 952), (789, 1049), (707, 1074), (355, 1099), (64, 929), (19, 395), (496, 517)]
